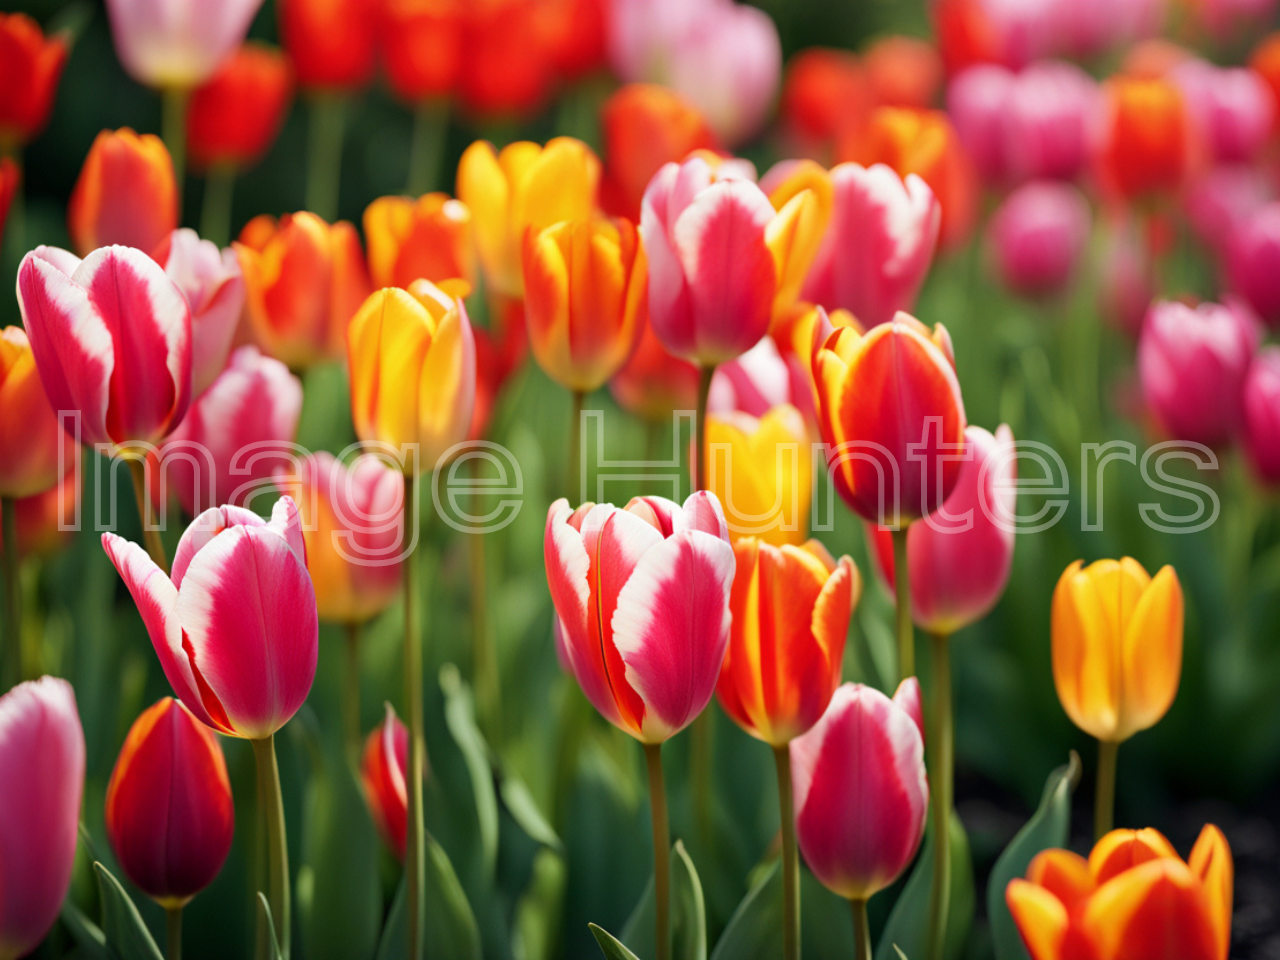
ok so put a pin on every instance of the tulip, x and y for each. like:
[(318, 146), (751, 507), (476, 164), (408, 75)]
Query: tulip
[(861, 794), (825, 95), (982, 31), (1038, 236), (1218, 204), (42, 759), (235, 117), (878, 246), (46, 520), (1053, 110), (1232, 108), (500, 351), (803, 195), (421, 42), (1127, 277), (653, 384), (181, 45), (576, 36), (1145, 143), (1133, 897), (332, 43), (383, 770), (1228, 20), (523, 187), (1265, 62), (1192, 363), (34, 450), (305, 280), (508, 61), (759, 380), (903, 72), (169, 813), (33, 66), (10, 178), (424, 239), (126, 194), (1262, 414), (978, 101), (1252, 261)]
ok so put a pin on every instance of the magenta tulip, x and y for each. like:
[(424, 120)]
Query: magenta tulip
[(1126, 279), (860, 790), (1192, 363), (1218, 203), (1253, 262), (1231, 107), (1052, 111), (211, 281), (41, 779), (978, 103), (236, 434), (1038, 236), (878, 245), (1262, 414), (177, 43), (235, 627), (111, 336), (642, 595)]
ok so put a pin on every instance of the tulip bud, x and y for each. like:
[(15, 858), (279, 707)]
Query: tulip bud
[(169, 813), (111, 336), (235, 117), (642, 596), (34, 449), (332, 43), (182, 45), (235, 624), (903, 72), (1262, 414), (1146, 134), (33, 66), (826, 94), (424, 239), (507, 64), (305, 280), (383, 770), (413, 370), (653, 384), (1038, 236), (421, 45), (1253, 262), (42, 759), (780, 671), (1117, 646), (125, 194), (861, 797), (1231, 107), (1192, 363)]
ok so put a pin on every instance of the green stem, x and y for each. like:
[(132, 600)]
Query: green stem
[(351, 695), (941, 777), (326, 127), (790, 858), (699, 429), (1104, 805), (574, 487), (413, 861), (215, 211), (861, 930), (173, 129), (902, 587), (661, 852), (264, 753), (430, 129), (173, 930), (484, 656), (11, 652), (150, 525)]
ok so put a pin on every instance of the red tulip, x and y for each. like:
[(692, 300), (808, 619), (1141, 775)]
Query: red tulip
[(422, 46), (507, 66), (125, 194), (10, 178), (903, 72), (332, 43), (1146, 139), (34, 449), (1262, 414), (574, 32), (235, 117), (653, 384), (500, 350), (382, 771), (169, 813), (30, 67)]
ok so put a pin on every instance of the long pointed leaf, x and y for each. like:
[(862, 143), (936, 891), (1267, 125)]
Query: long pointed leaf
[(127, 935), (908, 924)]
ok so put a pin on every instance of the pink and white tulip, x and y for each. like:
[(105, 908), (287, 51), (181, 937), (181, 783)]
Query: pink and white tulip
[(177, 43), (41, 780), (111, 335), (235, 624), (861, 797), (1038, 236), (1253, 262), (1220, 202), (758, 381), (642, 598), (878, 245), (211, 281), (1231, 106), (1262, 414)]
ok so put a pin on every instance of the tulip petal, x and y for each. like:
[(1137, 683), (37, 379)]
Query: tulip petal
[(908, 698), (1152, 654), (1064, 874), (1040, 916), (203, 529), (287, 521), (1210, 860), (1157, 909), (1122, 850)]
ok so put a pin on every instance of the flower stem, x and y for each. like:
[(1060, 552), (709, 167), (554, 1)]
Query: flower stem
[(902, 585), (150, 526), (351, 695), (326, 126), (173, 130), (573, 489), (1104, 805), (484, 658), (264, 752), (941, 774), (790, 858), (413, 861), (430, 128), (215, 210), (173, 929), (661, 852), (699, 429), (861, 930), (11, 652)]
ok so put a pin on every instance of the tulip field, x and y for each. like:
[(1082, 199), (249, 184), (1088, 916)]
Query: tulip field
[(651, 479)]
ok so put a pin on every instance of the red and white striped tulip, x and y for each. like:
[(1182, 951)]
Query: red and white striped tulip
[(382, 773)]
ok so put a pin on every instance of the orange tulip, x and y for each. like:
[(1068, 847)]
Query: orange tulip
[(791, 607), (1265, 61), (235, 117), (422, 46), (1133, 898), (586, 290), (1146, 141), (825, 96), (424, 239), (508, 58), (34, 449), (125, 194), (903, 72), (384, 767), (304, 281), (46, 520), (332, 43), (30, 67)]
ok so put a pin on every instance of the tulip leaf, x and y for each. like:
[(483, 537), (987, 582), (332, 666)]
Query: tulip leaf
[(88, 936), (460, 716), (1048, 827), (755, 929), (269, 926), (127, 935), (688, 913), (448, 924), (610, 945), (524, 811), (536, 925), (908, 924)]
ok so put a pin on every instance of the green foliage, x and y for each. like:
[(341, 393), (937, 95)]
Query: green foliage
[(126, 936), (688, 913), (448, 925), (613, 949), (908, 924), (755, 929)]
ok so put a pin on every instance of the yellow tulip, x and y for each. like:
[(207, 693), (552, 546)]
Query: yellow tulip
[(803, 197)]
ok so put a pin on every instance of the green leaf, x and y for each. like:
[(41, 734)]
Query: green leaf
[(524, 810), (539, 909), (898, 950), (688, 913), (1048, 827), (269, 926), (755, 929), (460, 716), (908, 924), (127, 936), (448, 924), (609, 944), (87, 934)]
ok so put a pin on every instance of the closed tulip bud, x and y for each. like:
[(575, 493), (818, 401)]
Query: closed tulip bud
[(169, 813), (384, 768), (235, 117), (825, 94), (413, 370), (890, 403), (34, 449), (1117, 646), (111, 335), (235, 624), (523, 187), (305, 280), (1133, 897), (1253, 262), (42, 759), (957, 574), (180, 45), (585, 291), (653, 384), (421, 43), (349, 522), (1038, 235), (1192, 364), (1231, 107), (642, 596), (791, 607), (903, 71), (424, 239), (860, 791), (333, 44), (33, 66), (1262, 414), (125, 194), (1145, 145)]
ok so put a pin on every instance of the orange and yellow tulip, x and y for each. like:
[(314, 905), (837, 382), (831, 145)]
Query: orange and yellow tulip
[(34, 449), (125, 194), (1133, 897), (424, 239), (804, 196)]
